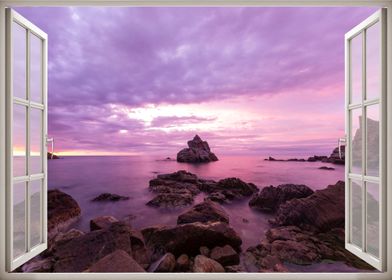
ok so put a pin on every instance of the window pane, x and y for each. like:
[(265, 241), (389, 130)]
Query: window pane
[(19, 140), (356, 213), (372, 140), (35, 212), (19, 216), (373, 61), (35, 69), (36, 141), (19, 60), (356, 141), (356, 69), (373, 219)]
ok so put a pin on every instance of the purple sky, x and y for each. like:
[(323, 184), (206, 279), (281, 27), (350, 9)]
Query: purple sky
[(145, 80)]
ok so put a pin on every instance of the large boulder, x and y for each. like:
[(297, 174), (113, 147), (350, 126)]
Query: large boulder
[(171, 200), (270, 198), (228, 189), (322, 210), (204, 264), (188, 238), (118, 261), (198, 151), (207, 211), (63, 210)]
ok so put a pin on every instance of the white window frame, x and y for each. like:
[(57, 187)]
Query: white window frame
[(387, 275)]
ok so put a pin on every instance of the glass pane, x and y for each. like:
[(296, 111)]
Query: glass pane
[(19, 60), (373, 62), (356, 69), (35, 141), (19, 140), (373, 219), (35, 212), (356, 213), (35, 69), (19, 216), (356, 141), (372, 140)]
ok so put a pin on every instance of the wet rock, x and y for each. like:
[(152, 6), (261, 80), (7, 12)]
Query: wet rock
[(38, 264), (326, 168), (335, 157), (188, 238), (322, 210), (166, 263), (225, 255), (183, 263), (198, 151), (63, 210), (207, 211), (204, 251), (80, 253), (109, 197), (204, 264), (102, 222), (171, 200), (228, 189), (235, 268), (270, 198), (317, 158), (118, 261)]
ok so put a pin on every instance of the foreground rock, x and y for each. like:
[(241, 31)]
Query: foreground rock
[(198, 151), (167, 263), (110, 197), (188, 238), (63, 210), (118, 261), (228, 189), (225, 255), (207, 211), (270, 198), (204, 264), (102, 222), (320, 211)]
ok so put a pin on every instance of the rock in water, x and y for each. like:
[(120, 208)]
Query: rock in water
[(204, 264), (118, 261), (198, 151), (109, 197), (270, 198), (207, 211), (63, 210), (102, 222)]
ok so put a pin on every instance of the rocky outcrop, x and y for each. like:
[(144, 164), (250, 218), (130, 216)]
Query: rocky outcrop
[(102, 222), (225, 255), (204, 264), (270, 198), (188, 238), (118, 261), (198, 151), (207, 211), (52, 156), (290, 159), (167, 263), (335, 157), (326, 168), (63, 210), (228, 189), (109, 197), (322, 210)]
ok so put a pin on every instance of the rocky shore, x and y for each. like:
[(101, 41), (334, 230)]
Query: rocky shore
[(198, 151), (306, 227)]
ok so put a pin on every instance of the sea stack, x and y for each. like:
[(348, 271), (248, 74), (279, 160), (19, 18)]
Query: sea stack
[(198, 151)]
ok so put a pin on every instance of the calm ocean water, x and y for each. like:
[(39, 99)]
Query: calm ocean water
[(86, 177)]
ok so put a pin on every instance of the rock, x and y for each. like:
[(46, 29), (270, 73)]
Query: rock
[(225, 255), (322, 210), (198, 151), (63, 210), (166, 263), (171, 200), (317, 158), (235, 268), (270, 198), (188, 238), (335, 157), (207, 211), (183, 263), (228, 189), (204, 251), (140, 253), (326, 168), (62, 238), (109, 197), (102, 222), (118, 261), (38, 264), (80, 253), (204, 264), (52, 156)]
